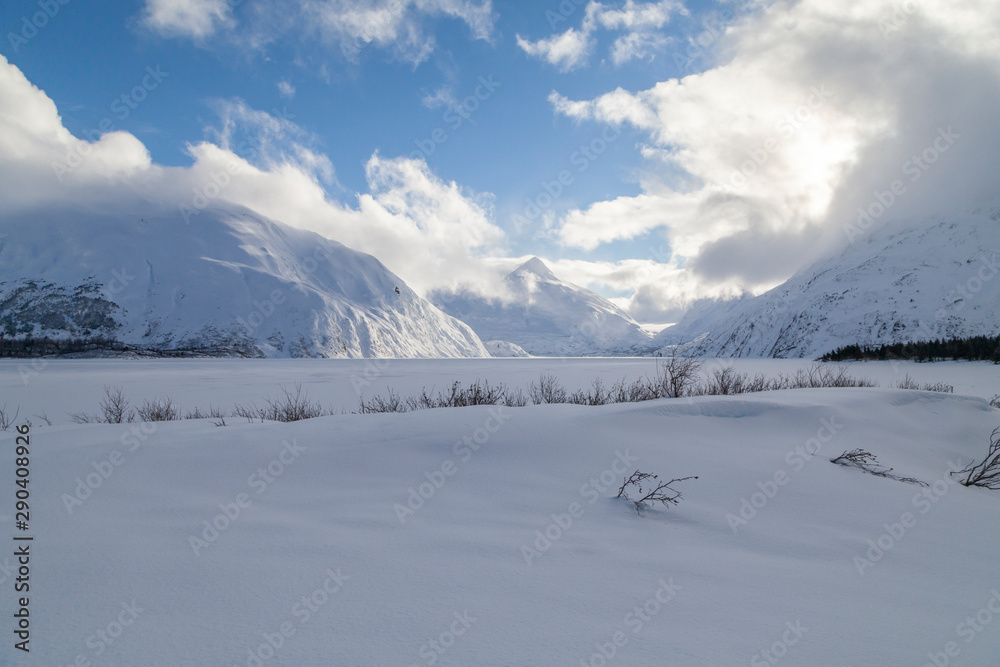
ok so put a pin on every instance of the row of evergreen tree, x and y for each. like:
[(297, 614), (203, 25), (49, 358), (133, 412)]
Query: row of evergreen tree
[(974, 348), (41, 347)]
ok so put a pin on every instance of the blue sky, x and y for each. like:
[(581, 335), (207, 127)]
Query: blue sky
[(652, 220), (509, 144)]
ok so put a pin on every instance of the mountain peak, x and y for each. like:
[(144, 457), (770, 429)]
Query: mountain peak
[(537, 267)]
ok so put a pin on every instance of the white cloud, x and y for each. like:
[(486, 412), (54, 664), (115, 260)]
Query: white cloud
[(567, 51), (348, 26), (756, 165), (286, 89), (430, 232), (637, 46), (196, 19), (640, 22), (442, 97)]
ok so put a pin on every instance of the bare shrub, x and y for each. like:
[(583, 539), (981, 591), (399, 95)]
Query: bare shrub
[(675, 376), (939, 386), (158, 410), (597, 395), (249, 412), (642, 389), (655, 491), (44, 417), (478, 393), (725, 381), (995, 401), (7, 419), (548, 390), (909, 383), (291, 406), (390, 403), (986, 473), (212, 413), (115, 408), (867, 462), (515, 399)]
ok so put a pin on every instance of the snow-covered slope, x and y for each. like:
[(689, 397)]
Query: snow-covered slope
[(548, 316), (230, 282), (902, 282)]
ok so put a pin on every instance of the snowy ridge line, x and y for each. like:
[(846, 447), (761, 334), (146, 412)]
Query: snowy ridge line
[(235, 284)]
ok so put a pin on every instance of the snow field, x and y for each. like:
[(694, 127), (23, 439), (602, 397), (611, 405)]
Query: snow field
[(284, 544)]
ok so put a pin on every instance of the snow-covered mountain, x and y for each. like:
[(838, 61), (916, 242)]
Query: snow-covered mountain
[(547, 316), (902, 282), (231, 282)]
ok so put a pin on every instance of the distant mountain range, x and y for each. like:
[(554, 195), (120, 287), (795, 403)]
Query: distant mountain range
[(235, 283), (546, 316), (906, 281), (230, 282)]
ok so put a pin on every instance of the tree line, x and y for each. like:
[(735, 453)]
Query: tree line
[(973, 348)]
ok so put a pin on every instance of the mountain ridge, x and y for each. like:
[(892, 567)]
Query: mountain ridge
[(904, 281), (230, 280), (547, 316)]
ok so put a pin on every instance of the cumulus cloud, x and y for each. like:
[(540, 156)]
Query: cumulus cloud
[(196, 19), (756, 165), (567, 51), (349, 26), (639, 23), (432, 233)]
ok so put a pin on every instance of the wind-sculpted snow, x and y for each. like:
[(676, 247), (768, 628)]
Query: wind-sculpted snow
[(230, 281), (495, 532), (898, 283)]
